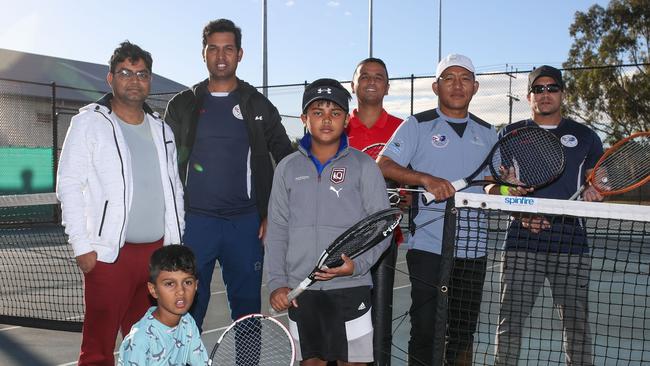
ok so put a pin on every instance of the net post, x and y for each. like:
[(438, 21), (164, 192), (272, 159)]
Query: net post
[(446, 265)]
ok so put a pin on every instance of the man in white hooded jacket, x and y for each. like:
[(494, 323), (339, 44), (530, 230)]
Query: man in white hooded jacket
[(121, 199)]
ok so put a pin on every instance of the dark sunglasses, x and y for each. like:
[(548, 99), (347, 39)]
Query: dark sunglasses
[(551, 88)]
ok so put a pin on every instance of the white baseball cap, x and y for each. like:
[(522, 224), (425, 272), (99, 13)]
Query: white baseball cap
[(454, 59)]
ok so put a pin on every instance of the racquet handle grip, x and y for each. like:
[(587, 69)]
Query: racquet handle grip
[(294, 293), (459, 184), (299, 289), (290, 296), (428, 197), (578, 193)]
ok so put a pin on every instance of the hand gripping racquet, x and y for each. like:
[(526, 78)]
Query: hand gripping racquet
[(528, 157)]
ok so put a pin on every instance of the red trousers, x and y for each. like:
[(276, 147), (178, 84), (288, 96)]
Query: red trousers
[(116, 297)]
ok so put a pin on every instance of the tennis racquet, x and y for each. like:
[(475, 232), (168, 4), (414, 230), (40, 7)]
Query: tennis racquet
[(374, 149), (528, 157), (362, 236), (623, 167), (254, 339)]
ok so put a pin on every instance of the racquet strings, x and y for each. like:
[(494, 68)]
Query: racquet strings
[(625, 167), (254, 341), (534, 155), (374, 150), (365, 235)]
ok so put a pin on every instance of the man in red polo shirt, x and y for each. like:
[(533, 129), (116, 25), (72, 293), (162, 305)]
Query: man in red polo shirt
[(371, 124)]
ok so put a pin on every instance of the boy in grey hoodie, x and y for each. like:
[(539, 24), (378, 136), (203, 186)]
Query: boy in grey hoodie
[(318, 192)]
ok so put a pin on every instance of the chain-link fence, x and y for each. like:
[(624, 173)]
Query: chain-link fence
[(33, 114)]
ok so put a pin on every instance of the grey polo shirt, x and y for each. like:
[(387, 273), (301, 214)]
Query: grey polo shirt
[(428, 143)]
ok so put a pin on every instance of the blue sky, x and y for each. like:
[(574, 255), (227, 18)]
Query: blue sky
[(308, 39)]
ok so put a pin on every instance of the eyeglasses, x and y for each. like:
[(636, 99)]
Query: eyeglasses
[(127, 74), (551, 88)]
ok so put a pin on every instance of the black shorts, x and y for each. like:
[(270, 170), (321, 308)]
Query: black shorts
[(333, 325)]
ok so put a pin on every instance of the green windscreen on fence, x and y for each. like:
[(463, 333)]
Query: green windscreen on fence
[(26, 170)]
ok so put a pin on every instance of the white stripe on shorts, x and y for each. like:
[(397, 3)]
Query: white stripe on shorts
[(357, 328), (359, 333)]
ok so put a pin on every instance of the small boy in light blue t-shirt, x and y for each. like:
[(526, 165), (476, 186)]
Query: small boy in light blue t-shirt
[(167, 334)]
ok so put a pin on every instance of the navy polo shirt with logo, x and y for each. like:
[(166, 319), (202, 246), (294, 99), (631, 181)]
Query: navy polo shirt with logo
[(439, 145), (582, 149), (219, 179)]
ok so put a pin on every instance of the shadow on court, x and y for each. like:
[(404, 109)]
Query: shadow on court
[(18, 354)]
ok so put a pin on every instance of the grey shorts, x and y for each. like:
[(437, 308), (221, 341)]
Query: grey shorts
[(333, 325)]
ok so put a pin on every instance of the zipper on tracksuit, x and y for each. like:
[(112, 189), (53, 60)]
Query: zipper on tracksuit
[(317, 253), (171, 183), (119, 154), (178, 222), (101, 225), (329, 166)]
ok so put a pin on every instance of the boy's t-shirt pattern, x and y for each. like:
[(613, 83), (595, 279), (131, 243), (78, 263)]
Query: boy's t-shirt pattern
[(150, 342)]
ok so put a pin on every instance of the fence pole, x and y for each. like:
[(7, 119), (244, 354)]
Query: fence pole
[(511, 97), (304, 127), (412, 87)]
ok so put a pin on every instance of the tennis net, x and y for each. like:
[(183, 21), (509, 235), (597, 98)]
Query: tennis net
[(562, 282), (41, 283)]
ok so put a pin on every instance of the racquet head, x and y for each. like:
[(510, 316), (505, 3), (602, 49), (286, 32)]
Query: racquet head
[(254, 339), (528, 157), (374, 150), (624, 166), (360, 237)]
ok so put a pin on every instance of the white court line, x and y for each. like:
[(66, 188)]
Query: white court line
[(214, 330), (74, 362), (9, 328)]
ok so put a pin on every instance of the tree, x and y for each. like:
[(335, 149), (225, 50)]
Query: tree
[(611, 99)]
